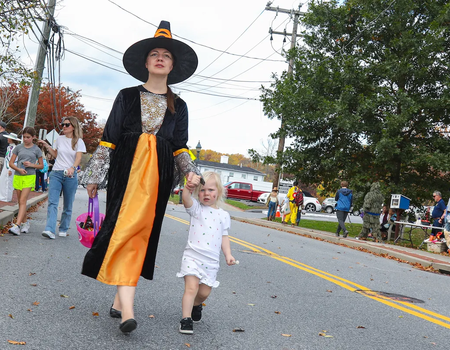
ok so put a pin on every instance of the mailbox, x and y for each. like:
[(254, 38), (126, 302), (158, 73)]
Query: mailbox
[(399, 201)]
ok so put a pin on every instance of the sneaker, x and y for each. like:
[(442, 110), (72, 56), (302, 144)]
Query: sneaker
[(197, 313), (48, 234), (187, 326), (15, 230), (345, 234), (62, 234), (25, 227)]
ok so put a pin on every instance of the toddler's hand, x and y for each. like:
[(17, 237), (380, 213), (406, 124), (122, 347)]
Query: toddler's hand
[(193, 180), (230, 260)]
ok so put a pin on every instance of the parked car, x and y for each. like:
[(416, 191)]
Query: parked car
[(310, 203), (328, 205)]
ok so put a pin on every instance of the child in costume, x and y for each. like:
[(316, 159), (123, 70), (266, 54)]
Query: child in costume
[(24, 180), (208, 234)]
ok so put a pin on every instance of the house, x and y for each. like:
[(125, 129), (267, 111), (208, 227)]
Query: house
[(230, 172)]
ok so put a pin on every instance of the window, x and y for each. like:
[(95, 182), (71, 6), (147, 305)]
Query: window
[(231, 174), (245, 186), (244, 176), (234, 186), (255, 178)]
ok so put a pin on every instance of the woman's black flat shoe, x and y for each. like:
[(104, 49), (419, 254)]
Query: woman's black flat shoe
[(115, 313), (128, 326)]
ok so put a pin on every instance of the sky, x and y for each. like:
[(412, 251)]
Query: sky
[(232, 43)]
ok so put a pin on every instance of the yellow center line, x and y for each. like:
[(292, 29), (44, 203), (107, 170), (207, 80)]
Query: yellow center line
[(346, 284)]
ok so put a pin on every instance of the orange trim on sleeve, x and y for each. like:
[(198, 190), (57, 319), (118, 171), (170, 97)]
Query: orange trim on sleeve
[(107, 144), (181, 150)]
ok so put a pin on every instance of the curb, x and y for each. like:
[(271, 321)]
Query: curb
[(9, 211), (376, 248)]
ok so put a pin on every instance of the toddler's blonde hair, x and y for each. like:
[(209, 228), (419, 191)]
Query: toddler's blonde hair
[(220, 190)]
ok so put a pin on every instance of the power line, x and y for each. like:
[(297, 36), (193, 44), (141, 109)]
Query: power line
[(188, 40)]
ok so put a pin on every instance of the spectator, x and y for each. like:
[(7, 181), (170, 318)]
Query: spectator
[(272, 203), (7, 174), (344, 198), (40, 185), (437, 215), (24, 180), (68, 150), (3, 144), (371, 220), (447, 226), (295, 197), (384, 222)]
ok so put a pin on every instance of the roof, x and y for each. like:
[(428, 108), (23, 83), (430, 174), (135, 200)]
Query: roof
[(229, 167)]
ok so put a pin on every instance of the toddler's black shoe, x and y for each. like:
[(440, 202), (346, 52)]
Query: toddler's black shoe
[(187, 326), (197, 312)]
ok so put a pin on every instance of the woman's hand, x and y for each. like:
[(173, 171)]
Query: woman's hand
[(70, 172), (193, 180), (28, 164), (22, 171), (9, 173), (92, 190)]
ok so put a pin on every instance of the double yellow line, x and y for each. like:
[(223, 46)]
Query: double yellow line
[(409, 308)]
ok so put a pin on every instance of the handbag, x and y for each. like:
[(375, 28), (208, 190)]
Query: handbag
[(286, 208), (95, 218)]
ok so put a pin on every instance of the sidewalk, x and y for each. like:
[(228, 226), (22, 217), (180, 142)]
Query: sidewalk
[(439, 262), (9, 209)]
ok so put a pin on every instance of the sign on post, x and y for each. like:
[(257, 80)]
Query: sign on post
[(51, 137)]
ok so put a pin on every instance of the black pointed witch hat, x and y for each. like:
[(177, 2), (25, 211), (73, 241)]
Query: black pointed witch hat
[(185, 59)]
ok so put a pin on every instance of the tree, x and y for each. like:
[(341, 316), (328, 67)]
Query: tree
[(369, 97), (16, 18), (54, 105)]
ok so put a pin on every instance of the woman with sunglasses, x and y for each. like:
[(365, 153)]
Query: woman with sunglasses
[(67, 152)]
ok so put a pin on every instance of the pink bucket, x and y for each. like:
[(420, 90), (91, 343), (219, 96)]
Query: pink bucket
[(86, 237)]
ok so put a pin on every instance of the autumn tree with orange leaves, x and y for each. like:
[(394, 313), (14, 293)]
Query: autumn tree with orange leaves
[(54, 104)]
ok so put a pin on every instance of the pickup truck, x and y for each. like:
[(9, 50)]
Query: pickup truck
[(242, 190)]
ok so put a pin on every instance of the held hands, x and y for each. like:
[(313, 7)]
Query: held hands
[(192, 181)]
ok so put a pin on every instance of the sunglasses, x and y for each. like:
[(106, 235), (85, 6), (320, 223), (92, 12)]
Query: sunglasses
[(66, 124)]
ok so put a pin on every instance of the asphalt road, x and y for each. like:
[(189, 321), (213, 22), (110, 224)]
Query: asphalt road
[(288, 292)]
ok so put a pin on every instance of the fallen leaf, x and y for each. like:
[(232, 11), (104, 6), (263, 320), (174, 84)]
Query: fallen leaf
[(188, 345), (72, 307), (325, 335), (95, 314), (371, 279), (36, 303), (400, 316), (335, 258), (361, 327), (31, 273), (151, 316), (251, 304), (33, 285), (29, 310), (233, 292), (13, 342), (238, 330), (64, 296), (11, 316), (329, 291), (157, 266), (273, 296), (277, 312), (286, 335)]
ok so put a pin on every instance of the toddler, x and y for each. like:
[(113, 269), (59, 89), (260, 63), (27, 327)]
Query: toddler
[(208, 233)]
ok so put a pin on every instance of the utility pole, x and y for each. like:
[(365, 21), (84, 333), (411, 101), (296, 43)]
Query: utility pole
[(296, 15), (30, 114)]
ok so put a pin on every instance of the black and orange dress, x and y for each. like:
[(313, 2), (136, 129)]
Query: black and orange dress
[(141, 157)]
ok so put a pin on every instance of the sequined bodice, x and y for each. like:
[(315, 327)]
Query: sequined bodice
[(153, 109)]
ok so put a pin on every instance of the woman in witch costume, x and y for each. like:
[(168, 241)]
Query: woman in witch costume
[(150, 122)]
